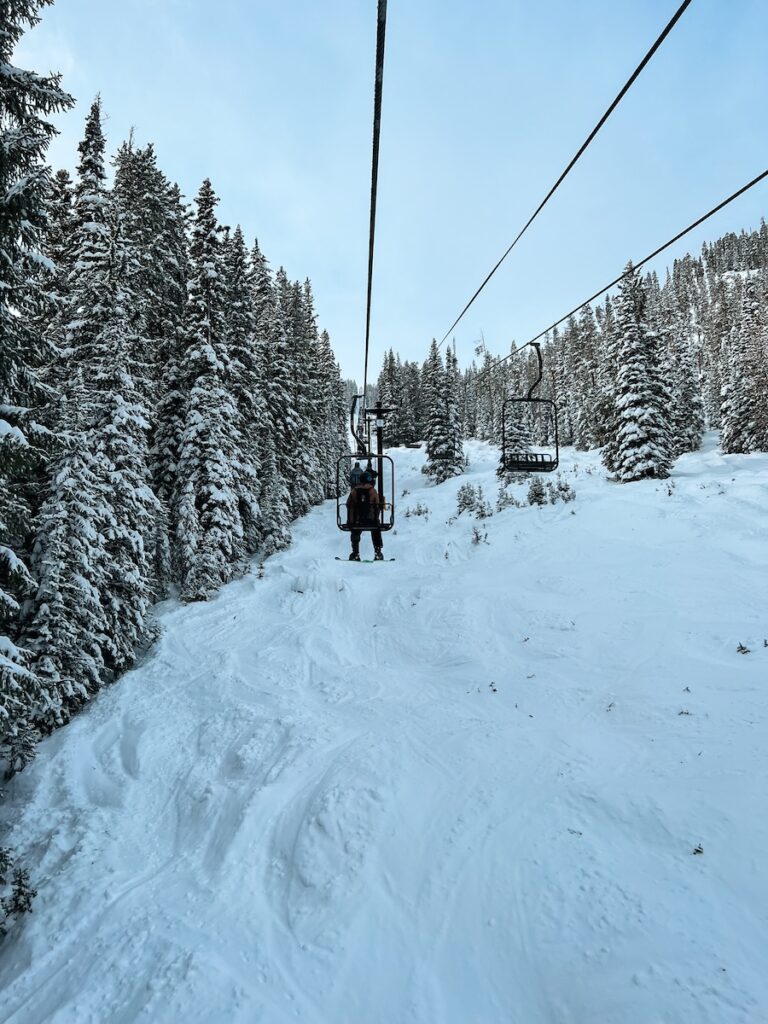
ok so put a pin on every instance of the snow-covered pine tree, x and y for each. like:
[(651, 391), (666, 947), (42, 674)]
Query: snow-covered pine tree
[(209, 529), (411, 416), (431, 385), (334, 441), (744, 411), (587, 425), (468, 401), (718, 320), (389, 394), (244, 384), (169, 410), (313, 411), (274, 501), (68, 630), (444, 444), (152, 225), (87, 612), (305, 482), (59, 241), (640, 445), (27, 100), (117, 441), (686, 415), (281, 429)]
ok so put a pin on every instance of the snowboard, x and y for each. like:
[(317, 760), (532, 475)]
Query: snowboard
[(369, 561)]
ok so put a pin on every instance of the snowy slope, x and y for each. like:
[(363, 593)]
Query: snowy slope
[(461, 788)]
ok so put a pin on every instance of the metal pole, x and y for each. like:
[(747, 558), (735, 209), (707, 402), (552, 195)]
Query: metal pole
[(380, 452)]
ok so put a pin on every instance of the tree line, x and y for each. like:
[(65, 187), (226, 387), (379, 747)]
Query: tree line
[(168, 404), (639, 376)]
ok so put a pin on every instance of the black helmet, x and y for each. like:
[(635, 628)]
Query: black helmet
[(368, 476)]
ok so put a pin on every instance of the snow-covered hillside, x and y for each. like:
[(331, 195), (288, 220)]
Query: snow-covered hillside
[(465, 787)]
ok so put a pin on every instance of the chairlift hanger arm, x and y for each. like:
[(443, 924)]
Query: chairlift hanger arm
[(361, 446), (537, 346)]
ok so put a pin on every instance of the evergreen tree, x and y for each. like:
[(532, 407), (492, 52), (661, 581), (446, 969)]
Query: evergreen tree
[(334, 440), (89, 556), (244, 384), (59, 240), (411, 418), (27, 100), (640, 446), (444, 448), (744, 412), (209, 529), (281, 426), (274, 502), (151, 222), (118, 446), (679, 367)]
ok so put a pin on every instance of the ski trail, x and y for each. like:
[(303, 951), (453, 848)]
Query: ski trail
[(464, 786)]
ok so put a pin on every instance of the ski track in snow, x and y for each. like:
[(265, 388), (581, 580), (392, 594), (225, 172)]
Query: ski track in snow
[(461, 788)]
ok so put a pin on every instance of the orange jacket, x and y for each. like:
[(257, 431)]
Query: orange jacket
[(353, 507)]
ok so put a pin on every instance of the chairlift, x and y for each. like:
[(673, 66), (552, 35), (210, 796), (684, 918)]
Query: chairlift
[(529, 435), (350, 468)]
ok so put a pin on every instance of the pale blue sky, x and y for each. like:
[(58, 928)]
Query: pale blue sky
[(484, 104)]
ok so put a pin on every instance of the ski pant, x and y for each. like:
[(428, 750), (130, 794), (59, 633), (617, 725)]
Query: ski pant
[(355, 535)]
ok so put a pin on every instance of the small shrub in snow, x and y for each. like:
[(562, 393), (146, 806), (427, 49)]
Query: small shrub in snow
[(466, 498), (483, 508), (472, 499), (417, 510), (506, 500), (16, 894), (479, 536), (19, 750), (561, 490), (536, 493)]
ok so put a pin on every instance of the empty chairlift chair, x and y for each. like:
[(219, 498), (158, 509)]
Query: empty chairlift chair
[(529, 438)]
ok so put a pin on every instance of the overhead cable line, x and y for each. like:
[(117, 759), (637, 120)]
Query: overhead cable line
[(627, 86), (626, 273), (378, 86)]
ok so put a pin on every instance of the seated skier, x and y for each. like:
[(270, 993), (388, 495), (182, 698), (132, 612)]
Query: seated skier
[(363, 512)]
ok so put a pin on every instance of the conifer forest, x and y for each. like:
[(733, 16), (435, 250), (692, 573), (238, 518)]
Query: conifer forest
[(484, 770), (639, 376), (169, 405)]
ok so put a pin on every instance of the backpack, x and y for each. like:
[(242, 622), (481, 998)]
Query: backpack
[(363, 505)]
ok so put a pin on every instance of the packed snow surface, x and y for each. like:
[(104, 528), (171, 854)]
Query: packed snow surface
[(521, 780)]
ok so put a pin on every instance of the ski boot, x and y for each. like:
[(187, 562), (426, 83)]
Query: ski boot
[(378, 555), (354, 557)]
